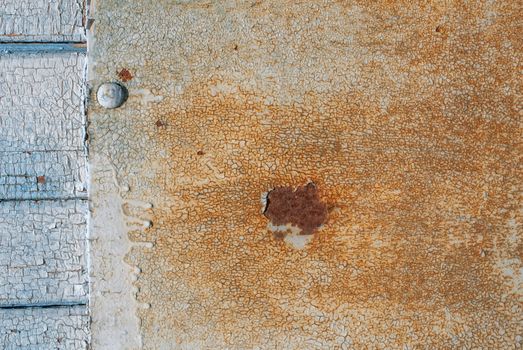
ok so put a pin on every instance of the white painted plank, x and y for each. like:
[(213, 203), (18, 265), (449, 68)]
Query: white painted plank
[(41, 20), (43, 252), (42, 175), (41, 96), (44, 328)]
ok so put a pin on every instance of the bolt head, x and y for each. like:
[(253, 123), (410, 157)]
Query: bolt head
[(111, 95)]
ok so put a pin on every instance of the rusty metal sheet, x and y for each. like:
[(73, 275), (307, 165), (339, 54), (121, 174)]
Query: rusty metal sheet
[(386, 135)]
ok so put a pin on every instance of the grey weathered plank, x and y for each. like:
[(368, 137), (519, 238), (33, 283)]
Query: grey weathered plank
[(42, 20), (44, 328), (42, 175), (43, 252), (41, 96)]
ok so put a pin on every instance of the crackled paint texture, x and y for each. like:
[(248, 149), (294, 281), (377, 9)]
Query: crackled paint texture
[(42, 252), (42, 126), (48, 328), (42, 20), (41, 97), (406, 115), (43, 190)]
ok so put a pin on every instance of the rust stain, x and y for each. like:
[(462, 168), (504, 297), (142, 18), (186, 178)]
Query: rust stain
[(40, 179), (125, 75), (416, 154), (389, 243), (301, 208)]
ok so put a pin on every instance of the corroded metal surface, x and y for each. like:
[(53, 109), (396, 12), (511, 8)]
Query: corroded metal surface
[(405, 116)]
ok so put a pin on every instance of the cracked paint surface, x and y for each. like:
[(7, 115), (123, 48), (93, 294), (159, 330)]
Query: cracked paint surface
[(47, 328), (43, 190), (405, 115), (41, 97), (42, 126), (42, 20), (42, 252)]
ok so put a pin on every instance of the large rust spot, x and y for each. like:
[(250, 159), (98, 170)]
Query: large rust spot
[(301, 208)]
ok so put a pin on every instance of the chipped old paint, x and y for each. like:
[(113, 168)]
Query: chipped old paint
[(404, 114)]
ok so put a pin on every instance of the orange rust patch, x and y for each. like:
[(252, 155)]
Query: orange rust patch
[(396, 238), (40, 179), (125, 75), (301, 208)]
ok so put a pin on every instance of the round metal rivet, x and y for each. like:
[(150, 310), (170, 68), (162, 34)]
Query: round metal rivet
[(111, 95)]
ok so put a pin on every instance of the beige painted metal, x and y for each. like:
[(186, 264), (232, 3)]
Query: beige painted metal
[(406, 116)]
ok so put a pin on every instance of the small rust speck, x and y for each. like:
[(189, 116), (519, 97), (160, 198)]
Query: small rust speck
[(439, 29), (125, 75), (159, 123), (301, 208), (200, 153), (235, 47), (40, 179)]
